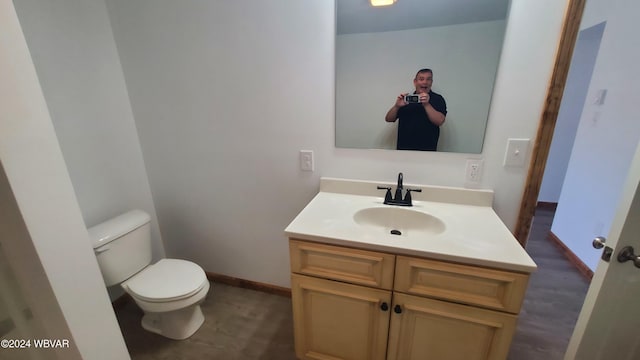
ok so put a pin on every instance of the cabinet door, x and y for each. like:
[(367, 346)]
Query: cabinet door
[(334, 320), (424, 328)]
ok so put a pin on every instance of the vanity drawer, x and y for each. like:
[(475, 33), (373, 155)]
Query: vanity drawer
[(488, 288), (355, 266)]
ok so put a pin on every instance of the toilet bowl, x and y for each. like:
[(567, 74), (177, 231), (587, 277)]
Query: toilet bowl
[(169, 292)]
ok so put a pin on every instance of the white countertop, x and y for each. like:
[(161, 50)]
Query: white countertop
[(474, 234)]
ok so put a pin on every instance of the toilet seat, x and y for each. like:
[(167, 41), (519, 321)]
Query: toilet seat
[(167, 280)]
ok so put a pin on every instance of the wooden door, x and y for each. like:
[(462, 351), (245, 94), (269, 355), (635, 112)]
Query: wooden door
[(334, 320), (423, 328)]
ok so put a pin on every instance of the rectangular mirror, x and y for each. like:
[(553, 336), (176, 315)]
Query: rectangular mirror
[(379, 50)]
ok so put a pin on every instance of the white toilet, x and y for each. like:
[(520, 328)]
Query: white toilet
[(169, 291)]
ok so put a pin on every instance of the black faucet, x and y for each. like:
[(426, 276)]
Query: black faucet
[(397, 199), (399, 188)]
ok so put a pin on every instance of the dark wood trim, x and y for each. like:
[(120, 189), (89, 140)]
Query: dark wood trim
[(571, 256), (546, 205), (570, 30), (248, 284), (223, 279)]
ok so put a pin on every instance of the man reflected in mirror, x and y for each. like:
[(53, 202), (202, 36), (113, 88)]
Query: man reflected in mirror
[(420, 116)]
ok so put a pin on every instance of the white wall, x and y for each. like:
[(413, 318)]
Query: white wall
[(226, 93), (41, 225), (607, 135), (75, 56), (573, 101), (373, 68)]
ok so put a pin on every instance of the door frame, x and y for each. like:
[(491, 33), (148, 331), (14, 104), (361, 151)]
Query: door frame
[(542, 143)]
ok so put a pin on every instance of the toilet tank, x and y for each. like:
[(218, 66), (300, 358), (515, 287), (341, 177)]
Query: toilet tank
[(122, 245)]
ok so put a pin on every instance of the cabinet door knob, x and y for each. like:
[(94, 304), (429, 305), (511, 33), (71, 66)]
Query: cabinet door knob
[(384, 306), (397, 309)]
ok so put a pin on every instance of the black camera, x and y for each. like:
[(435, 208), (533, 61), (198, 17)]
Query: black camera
[(412, 98)]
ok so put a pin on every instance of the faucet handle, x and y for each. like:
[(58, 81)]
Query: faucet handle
[(407, 198), (387, 196)]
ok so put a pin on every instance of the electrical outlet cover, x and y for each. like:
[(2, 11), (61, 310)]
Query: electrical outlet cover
[(473, 174), (306, 160)]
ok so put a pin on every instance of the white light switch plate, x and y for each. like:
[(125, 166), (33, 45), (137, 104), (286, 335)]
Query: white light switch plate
[(601, 95), (516, 154)]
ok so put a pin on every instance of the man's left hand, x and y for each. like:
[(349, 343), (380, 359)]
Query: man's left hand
[(424, 98)]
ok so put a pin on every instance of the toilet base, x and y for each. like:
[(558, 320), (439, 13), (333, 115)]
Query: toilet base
[(177, 325)]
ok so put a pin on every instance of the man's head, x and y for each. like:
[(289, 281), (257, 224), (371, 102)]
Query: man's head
[(423, 80)]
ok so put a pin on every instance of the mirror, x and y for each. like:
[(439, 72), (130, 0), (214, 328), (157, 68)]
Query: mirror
[(380, 49)]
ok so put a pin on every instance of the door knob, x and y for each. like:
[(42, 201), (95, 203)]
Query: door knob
[(627, 254), (598, 242)]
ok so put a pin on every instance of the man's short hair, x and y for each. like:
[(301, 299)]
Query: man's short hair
[(423, 71)]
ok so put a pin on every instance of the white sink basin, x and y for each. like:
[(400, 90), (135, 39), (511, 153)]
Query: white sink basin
[(449, 224), (399, 221)]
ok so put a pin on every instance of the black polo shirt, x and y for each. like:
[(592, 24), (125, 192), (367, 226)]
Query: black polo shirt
[(415, 130)]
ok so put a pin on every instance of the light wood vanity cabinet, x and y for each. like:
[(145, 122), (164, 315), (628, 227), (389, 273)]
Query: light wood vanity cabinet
[(359, 304)]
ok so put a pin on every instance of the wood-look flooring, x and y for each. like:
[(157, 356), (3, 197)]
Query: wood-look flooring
[(247, 324), (553, 300), (239, 324)]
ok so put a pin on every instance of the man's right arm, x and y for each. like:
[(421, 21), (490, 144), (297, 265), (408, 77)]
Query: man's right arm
[(392, 114)]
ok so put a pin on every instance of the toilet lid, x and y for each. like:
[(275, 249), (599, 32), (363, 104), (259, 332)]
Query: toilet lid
[(168, 279)]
